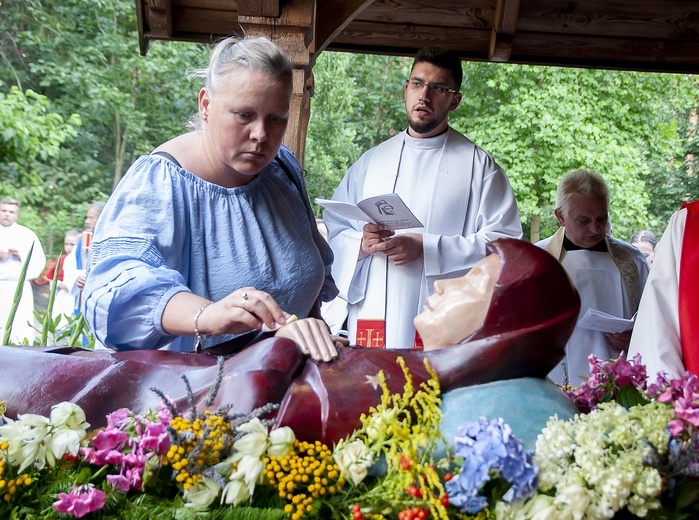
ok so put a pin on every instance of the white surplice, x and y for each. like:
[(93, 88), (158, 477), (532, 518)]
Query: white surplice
[(656, 335), (455, 189), (20, 238), (598, 278)]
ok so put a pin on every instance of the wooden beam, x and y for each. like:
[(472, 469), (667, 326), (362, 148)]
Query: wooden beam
[(269, 8), (332, 18), (143, 42), (504, 26), (159, 18)]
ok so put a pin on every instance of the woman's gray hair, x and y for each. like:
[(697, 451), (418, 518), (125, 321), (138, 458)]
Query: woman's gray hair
[(234, 54), (644, 236), (97, 206), (580, 183)]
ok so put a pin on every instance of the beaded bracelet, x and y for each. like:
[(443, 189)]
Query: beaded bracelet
[(196, 323)]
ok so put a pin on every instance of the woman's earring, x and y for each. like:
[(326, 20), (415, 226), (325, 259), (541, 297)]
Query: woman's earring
[(205, 117)]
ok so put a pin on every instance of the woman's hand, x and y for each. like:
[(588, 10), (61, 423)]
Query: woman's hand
[(241, 311), (312, 336)]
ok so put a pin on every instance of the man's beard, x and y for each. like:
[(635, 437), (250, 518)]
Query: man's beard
[(424, 127)]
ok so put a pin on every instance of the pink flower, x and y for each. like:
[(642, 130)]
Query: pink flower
[(156, 438), (102, 457), (117, 417), (80, 501), (119, 482), (135, 477), (109, 439)]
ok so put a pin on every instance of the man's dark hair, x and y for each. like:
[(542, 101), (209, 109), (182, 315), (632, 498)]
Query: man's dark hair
[(443, 58)]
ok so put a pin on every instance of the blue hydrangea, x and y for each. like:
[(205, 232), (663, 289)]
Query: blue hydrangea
[(489, 449)]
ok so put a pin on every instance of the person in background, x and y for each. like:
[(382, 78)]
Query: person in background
[(457, 191), (200, 246), (645, 242), (608, 273), (64, 302), (667, 327), (15, 243), (75, 264)]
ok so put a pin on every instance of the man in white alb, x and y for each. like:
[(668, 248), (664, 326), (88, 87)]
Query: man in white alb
[(608, 273), (15, 243), (456, 190)]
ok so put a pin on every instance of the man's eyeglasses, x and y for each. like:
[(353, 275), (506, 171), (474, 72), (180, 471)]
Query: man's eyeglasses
[(418, 84)]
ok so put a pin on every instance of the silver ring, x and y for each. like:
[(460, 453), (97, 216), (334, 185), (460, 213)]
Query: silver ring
[(244, 295)]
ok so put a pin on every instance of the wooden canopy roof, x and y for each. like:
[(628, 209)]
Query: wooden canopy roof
[(644, 35), (647, 35)]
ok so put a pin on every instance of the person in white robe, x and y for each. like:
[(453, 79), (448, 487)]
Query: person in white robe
[(608, 273), (454, 188), (15, 243), (659, 336)]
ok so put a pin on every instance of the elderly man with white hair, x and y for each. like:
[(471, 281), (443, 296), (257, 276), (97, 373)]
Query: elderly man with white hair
[(608, 273)]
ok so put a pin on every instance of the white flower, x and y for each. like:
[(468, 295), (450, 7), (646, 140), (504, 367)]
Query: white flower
[(376, 429), (30, 453), (235, 492), (26, 437), (202, 495), (66, 441), (69, 415), (353, 459), (282, 440), (573, 498), (255, 442), (249, 469)]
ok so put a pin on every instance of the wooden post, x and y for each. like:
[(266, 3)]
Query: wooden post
[(292, 32)]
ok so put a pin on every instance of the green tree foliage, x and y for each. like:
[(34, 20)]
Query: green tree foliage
[(357, 103), (542, 122), (30, 128), (83, 56)]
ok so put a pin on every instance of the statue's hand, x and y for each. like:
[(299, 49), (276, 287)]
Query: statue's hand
[(340, 341), (312, 336)]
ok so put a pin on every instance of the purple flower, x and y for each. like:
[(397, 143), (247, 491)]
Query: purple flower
[(489, 449), (119, 482), (607, 377), (80, 501)]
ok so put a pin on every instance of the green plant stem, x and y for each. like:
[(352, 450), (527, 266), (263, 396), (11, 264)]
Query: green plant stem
[(18, 296), (49, 307)]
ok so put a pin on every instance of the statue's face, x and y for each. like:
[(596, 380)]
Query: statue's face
[(458, 306)]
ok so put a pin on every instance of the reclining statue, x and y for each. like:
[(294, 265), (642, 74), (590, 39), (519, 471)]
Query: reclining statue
[(508, 318)]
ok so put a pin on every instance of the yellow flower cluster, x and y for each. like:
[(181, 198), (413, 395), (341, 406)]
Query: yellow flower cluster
[(10, 486), (207, 441), (306, 473), (406, 427)]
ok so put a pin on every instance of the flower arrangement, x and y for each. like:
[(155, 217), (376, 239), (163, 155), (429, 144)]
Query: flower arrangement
[(632, 453)]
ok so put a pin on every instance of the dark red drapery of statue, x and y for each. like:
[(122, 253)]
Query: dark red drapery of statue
[(531, 316)]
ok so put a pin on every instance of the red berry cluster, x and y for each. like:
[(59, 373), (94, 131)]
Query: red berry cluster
[(413, 513), (357, 512)]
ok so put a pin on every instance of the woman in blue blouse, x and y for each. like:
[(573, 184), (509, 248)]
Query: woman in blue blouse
[(211, 237)]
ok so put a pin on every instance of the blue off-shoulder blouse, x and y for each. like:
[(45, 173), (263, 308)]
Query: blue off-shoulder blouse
[(165, 230)]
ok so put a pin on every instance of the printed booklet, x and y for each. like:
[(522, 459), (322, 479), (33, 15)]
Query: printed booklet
[(389, 210)]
